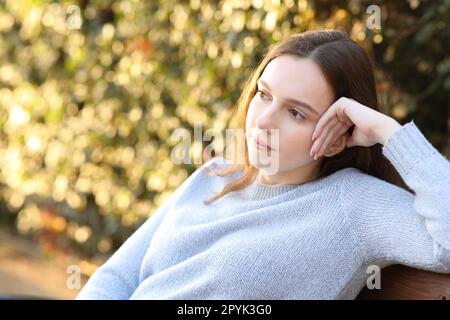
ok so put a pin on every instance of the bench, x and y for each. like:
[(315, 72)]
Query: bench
[(399, 282)]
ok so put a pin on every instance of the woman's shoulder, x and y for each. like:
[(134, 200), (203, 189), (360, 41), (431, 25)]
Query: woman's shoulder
[(217, 161), (355, 176), (360, 187), (209, 169)]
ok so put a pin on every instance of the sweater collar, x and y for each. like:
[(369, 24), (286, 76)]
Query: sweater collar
[(258, 190)]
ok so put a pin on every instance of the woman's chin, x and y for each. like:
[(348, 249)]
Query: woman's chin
[(263, 162)]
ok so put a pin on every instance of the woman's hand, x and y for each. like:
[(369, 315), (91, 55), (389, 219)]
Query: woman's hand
[(371, 126)]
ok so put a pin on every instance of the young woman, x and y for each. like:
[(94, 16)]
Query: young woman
[(334, 210)]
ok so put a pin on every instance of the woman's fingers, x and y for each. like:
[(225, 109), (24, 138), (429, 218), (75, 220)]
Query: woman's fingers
[(333, 135), (336, 111), (329, 135), (323, 121), (327, 141), (328, 131), (321, 138), (343, 114)]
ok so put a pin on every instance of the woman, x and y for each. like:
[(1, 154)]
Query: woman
[(312, 229)]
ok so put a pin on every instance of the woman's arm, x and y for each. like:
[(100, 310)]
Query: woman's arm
[(395, 225), (118, 277), (390, 222)]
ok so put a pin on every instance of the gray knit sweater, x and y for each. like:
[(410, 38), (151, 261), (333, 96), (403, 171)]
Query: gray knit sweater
[(307, 241)]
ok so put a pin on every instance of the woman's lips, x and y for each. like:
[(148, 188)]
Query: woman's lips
[(259, 144)]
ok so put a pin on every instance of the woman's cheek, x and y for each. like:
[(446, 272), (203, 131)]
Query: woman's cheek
[(251, 114), (296, 144)]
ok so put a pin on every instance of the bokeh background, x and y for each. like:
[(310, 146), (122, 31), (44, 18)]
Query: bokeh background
[(89, 98)]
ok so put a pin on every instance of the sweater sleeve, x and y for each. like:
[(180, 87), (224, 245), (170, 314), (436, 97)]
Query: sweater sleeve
[(393, 225), (118, 277)]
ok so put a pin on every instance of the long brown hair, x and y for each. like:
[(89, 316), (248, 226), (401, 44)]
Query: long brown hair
[(349, 72)]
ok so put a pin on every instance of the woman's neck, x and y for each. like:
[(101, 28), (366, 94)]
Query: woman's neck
[(296, 176)]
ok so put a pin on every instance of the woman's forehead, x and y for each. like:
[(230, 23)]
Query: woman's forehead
[(297, 78)]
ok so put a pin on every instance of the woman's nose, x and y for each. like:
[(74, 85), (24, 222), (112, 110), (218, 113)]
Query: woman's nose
[(268, 119)]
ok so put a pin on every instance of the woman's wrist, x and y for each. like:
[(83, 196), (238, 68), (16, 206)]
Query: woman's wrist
[(387, 130)]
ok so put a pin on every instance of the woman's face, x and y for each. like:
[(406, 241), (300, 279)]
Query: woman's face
[(285, 79)]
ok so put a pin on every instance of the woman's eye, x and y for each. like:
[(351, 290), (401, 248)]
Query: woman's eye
[(261, 93), (296, 114)]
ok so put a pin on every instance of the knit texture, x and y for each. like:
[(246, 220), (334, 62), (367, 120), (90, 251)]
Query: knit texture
[(304, 241)]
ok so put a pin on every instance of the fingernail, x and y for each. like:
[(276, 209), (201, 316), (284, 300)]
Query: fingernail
[(310, 153), (315, 157)]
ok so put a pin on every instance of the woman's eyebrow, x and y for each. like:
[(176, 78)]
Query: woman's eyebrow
[(291, 100)]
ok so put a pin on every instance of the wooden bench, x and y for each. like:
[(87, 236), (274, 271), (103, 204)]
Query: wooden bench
[(399, 282)]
